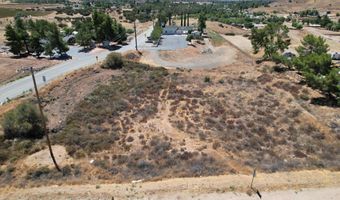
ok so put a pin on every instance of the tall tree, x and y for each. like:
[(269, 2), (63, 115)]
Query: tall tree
[(188, 20), (121, 33), (14, 41), (312, 44), (185, 20), (315, 64), (181, 19), (55, 42), (85, 35), (21, 31), (201, 23), (272, 38), (106, 30), (35, 44), (169, 17)]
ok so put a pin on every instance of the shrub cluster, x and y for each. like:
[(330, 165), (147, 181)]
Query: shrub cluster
[(23, 122)]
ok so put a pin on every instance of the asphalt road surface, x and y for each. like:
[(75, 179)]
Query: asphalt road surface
[(79, 60)]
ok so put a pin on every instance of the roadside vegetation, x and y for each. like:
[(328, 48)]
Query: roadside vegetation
[(100, 28), (34, 37), (113, 61)]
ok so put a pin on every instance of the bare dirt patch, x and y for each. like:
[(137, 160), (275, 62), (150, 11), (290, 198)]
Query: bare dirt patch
[(42, 158), (198, 57), (241, 43), (14, 68), (225, 28)]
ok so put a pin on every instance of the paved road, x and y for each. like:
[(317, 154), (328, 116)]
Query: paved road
[(18, 87)]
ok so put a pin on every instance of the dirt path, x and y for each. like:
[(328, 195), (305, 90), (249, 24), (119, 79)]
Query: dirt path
[(216, 187)]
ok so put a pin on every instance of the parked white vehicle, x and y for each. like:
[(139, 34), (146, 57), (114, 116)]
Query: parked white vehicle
[(336, 56)]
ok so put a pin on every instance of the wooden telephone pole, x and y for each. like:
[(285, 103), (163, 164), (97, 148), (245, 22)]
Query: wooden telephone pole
[(251, 185), (44, 121), (134, 25), (135, 28)]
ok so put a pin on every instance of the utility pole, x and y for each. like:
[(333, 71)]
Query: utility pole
[(135, 28), (44, 121), (251, 185), (134, 25)]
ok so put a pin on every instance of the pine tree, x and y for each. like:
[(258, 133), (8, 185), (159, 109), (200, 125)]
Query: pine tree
[(85, 35), (185, 20), (21, 31), (121, 33), (188, 20), (36, 44), (13, 41), (55, 42), (201, 23)]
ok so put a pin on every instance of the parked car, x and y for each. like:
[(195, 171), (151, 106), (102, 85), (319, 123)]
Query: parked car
[(336, 56)]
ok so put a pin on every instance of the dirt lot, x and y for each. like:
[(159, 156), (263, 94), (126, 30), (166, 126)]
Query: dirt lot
[(225, 50), (198, 57), (225, 28), (12, 68)]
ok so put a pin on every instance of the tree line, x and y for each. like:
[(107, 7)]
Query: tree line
[(314, 17), (100, 28), (42, 37), (34, 37)]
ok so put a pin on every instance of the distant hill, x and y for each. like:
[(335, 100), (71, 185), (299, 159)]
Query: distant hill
[(286, 6), (309, 3)]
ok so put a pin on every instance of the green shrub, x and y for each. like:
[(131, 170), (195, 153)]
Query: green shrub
[(189, 38), (113, 61), (129, 31), (207, 79), (23, 122)]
